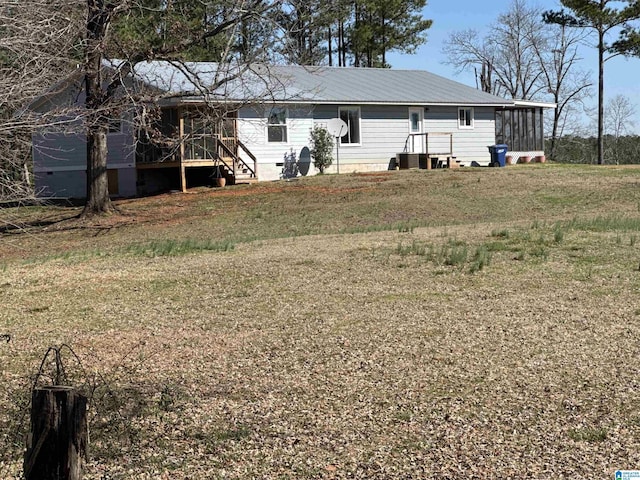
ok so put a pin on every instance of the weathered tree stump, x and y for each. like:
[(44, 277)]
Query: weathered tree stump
[(58, 439)]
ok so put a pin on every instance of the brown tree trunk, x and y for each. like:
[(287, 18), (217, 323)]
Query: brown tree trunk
[(329, 46), (384, 43), (601, 50), (58, 437), (97, 201), (554, 133), (356, 47), (97, 180), (341, 49)]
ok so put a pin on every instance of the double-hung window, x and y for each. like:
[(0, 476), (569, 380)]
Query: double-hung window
[(277, 125), (465, 117), (350, 116)]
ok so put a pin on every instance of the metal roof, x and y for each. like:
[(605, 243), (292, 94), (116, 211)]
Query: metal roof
[(298, 84)]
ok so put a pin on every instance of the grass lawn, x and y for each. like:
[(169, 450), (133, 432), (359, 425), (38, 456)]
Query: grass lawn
[(479, 323)]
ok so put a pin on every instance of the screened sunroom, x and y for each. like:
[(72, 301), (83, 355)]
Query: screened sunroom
[(521, 128)]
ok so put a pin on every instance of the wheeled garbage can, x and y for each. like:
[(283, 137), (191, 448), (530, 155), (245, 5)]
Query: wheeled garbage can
[(498, 155)]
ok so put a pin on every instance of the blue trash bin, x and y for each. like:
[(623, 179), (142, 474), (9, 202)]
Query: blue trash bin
[(498, 155)]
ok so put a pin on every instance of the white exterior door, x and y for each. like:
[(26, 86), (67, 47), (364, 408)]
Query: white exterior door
[(416, 129)]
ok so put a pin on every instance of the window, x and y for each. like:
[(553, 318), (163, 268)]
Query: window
[(465, 118), (415, 122), (277, 125), (350, 116)]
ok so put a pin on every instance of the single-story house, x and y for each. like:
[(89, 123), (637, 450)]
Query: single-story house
[(386, 112)]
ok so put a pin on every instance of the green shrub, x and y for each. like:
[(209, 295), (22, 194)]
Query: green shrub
[(321, 148)]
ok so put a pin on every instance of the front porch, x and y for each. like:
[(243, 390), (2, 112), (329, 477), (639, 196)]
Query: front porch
[(428, 151), (185, 139)]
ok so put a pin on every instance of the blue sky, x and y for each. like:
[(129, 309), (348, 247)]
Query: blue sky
[(622, 76)]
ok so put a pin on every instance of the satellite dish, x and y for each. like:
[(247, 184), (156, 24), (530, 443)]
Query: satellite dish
[(304, 161), (337, 127)]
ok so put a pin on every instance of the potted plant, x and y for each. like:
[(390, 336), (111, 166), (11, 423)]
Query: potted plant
[(219, 180)]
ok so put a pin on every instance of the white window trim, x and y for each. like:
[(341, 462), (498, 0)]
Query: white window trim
[(473, 118), (286, 125), (352, 107)]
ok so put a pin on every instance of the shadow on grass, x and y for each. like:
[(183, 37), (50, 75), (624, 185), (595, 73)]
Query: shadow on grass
[(10, 227), (62, 221)]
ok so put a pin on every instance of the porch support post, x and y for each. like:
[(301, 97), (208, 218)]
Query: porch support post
[(183, 173), (183, 178), (236, 148)]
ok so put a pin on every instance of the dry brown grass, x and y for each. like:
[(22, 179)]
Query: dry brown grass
[(366, 355)]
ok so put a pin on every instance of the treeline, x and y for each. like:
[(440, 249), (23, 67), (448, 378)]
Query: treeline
[(356, 33), (623, 150), (359, 33)]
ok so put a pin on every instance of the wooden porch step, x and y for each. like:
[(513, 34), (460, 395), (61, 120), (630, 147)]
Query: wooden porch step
[(245, 179), (240, 169)]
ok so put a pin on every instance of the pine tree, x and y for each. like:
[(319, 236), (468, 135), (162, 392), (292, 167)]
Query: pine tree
[(602, 17), (359, 32)]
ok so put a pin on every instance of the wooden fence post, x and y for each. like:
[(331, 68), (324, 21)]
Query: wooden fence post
[(58, 437)]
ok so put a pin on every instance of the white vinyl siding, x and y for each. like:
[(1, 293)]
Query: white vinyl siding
[(69, 151), (469, 145), (252, 125), (383, 132), (383, 129), (60, 163), (56, 150)]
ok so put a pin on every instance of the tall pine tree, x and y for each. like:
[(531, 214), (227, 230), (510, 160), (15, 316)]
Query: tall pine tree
[(358, 32), (602, 17)]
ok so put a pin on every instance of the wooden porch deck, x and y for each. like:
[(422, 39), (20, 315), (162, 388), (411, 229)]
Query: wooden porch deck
[(225, 156), (426, 157)]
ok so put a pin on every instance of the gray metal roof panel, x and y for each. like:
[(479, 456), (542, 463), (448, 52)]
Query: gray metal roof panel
[(313, 84)]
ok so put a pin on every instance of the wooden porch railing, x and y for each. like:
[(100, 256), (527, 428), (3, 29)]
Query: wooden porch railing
[(223, 151), (226, 150), (411, 141)]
